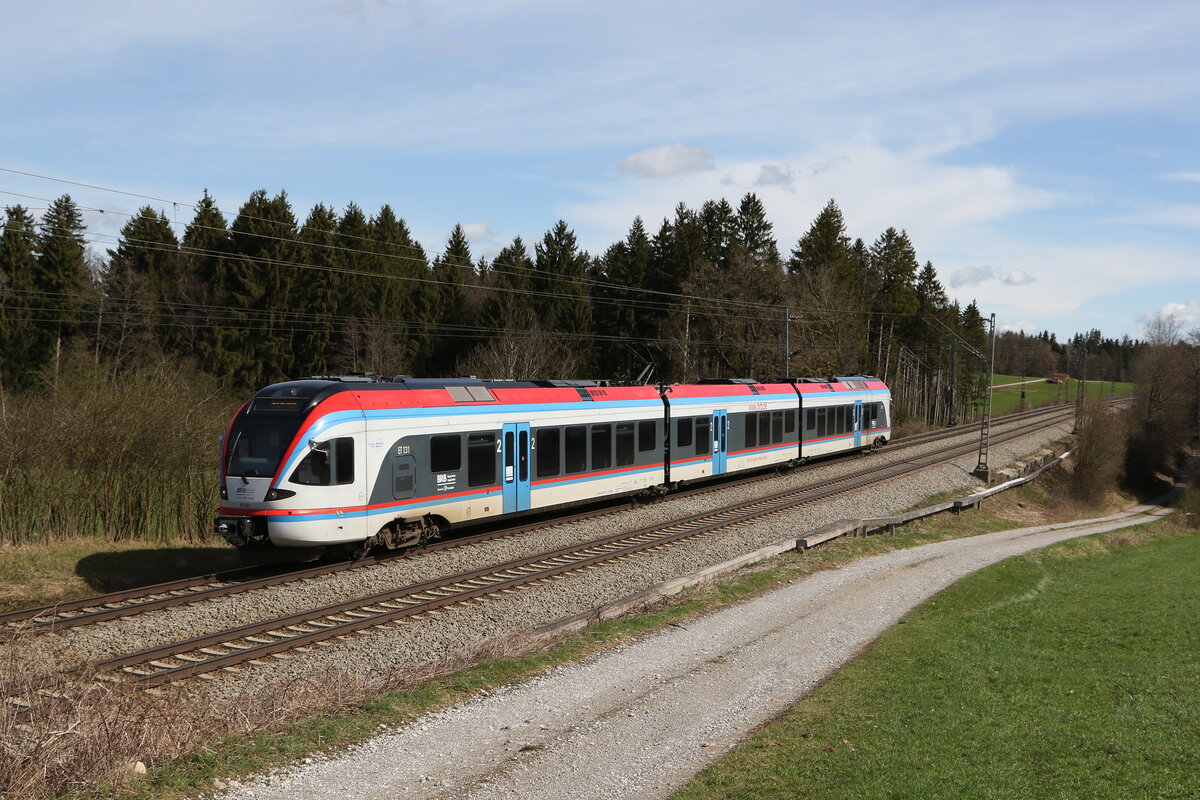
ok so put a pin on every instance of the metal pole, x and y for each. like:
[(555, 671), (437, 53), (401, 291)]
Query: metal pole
[(1079, 398), (953, 397), (985, 431), (787, 344)]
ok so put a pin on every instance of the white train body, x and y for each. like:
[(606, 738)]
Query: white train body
[(338, 461)]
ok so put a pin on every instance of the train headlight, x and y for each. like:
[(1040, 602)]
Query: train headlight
[(224, 493), (278, 494)]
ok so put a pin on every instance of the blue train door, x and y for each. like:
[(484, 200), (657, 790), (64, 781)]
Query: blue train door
[(514, 450), (858, 423), (720, 441)]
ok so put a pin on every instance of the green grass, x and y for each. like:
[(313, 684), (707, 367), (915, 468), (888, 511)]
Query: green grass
[(1008, 399), (1069, 672)]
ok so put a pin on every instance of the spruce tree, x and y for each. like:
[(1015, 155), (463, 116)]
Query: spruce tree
[(202, 285), (451, 272), (18, 264), (143, 278), (315, 295), (61, 279), (562, 302)]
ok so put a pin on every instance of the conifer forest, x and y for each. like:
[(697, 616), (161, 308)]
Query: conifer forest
[(121, 362)]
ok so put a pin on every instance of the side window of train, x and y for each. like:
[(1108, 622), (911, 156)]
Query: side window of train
[(810, 422), (481, 459), (789, 421), (546, 447), (330, 463), (764, 427), (601, 446), (776, 427), (343, 454), (647, 440), (683, 432), (625, 444), (403, 484), (703, 436), (576, 449), (751, 429), (445, 453), (822, 422)]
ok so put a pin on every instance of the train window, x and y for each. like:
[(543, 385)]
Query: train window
[(764, 428), (343, 454), (646, 437), (445, 453), (776, 426), (601, 446), (508, 457), (481, 459), (576, 449), (751, 430), (523, 456), (330, 463), (683, 432), (810, 421), (314, 469), (703, 436), (403, 484), (822, 422), (625, 444), (546, 447), (789, 421)]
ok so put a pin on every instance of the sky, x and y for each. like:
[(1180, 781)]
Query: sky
[(1043, 156)]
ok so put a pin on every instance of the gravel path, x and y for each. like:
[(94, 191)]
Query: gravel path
[(640, 721)]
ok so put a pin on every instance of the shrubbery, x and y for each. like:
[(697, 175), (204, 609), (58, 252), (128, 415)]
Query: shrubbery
[(95, 453)]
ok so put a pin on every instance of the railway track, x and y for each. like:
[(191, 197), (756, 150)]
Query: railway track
[(281, 637), (139, 600)]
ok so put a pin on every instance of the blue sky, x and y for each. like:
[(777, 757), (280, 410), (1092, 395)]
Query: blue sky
[(1042, 155)]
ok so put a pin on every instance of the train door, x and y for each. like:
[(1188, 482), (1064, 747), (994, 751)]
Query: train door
[(720, 440), (858, 423), (514, 448)]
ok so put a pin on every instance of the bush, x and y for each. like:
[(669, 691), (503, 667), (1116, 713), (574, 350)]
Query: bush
[(96, 453), (1099, 450)]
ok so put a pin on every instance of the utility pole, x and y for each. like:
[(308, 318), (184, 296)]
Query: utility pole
[(788, 319), (1024, 353), (952, 400), (985, 431), (1079, 399)]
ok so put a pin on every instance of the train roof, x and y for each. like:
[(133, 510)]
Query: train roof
[(371, 391)]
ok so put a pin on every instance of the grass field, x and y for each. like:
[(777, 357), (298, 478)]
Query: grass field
[(1007, 399), (1069, 672)]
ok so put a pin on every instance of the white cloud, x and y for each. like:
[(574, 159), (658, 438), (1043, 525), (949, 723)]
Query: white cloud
[(774, 175), (971, 276), (480, 232), (1187, 314), (1018, 277), (964, 277), (1190, 177), (666, 161)]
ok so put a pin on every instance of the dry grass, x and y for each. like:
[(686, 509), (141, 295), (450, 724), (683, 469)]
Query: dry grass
[(87, 741)]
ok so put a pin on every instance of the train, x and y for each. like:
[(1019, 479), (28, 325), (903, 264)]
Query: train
[(353, 462)]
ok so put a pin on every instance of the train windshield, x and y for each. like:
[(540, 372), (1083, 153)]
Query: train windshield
[(257, 445)]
